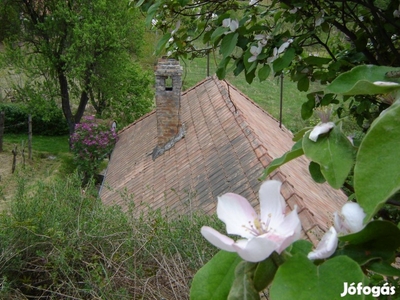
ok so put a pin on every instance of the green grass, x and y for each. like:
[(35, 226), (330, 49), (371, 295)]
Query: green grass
[(267, 93), (58, 242), (50, 144), (50, 158)]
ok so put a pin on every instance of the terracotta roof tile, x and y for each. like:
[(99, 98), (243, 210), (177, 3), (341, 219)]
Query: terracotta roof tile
[(228, 142)]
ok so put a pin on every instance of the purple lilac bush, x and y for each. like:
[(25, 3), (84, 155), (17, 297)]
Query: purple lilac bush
[(91, 143)]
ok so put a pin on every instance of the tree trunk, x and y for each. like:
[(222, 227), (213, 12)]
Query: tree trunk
[(82, 105), (84, 95), (65, 103)]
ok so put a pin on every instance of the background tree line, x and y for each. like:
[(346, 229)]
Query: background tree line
[(72, 53)]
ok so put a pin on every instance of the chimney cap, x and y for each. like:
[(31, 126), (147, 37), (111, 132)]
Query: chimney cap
[(168, 67)]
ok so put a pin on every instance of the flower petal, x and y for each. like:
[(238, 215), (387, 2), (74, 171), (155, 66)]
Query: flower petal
[(255, 249), (255, 50), (353, 216), (237, 214), (226, 22), (385, 83), (217, 239), (326, 247), (252, 58), (289, 229), (234, 24), (338, 223), (320, 129), (272, 204)]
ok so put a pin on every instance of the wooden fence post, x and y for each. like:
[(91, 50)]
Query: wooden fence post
[(30, 137), (14, 163), (23, 153), (2, 117)]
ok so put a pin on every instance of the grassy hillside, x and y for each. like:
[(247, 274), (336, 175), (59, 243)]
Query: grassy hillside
[(267, 93), (50, 158)]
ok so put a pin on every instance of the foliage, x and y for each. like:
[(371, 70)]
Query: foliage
[(70, 43), (57, 239), (373, 248), (47, 120), (310, 41), (121, 90), (9, 20), (91, 143)]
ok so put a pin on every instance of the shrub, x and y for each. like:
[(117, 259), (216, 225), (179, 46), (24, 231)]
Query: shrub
[(59, 241), (16, 118), (91, 143), (48, 122)]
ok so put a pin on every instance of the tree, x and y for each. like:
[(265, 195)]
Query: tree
[(9, 20), (120, 89), (311, 41), (66, 41)]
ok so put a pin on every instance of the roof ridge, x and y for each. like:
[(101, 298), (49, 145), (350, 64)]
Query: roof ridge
[(258, 147), (154, 110), (197, 85)]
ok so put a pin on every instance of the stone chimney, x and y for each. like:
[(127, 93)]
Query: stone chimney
[(170, 130)]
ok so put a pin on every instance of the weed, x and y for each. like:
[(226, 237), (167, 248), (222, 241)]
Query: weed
[(59, 241)]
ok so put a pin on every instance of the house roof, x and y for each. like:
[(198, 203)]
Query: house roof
[(228, 142)]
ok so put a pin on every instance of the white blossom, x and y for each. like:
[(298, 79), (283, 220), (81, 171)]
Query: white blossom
[(262, 234), (326, 247), (231, 24), (255, 51), (350, 220)]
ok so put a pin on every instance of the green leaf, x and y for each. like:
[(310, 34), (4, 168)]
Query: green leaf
[(243, 289), (151, 12), (327, 99), (380, 234), (239, 67), (362, 255), (264, 273), (228, 44), (243, 286), (249, 66), (183, 2), (317, 61), (214, 280), (359, 81), (299, 135), (303, 84), (221, 71), (296, 151), (384, 269), (300, 247), (263, 73), (307, 109), (162, 42), (139, 3), (250, 75), (315, 171), (298, 278), (217, 33), (284, 61), (378, 240), (334, 153), (377, 172)]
